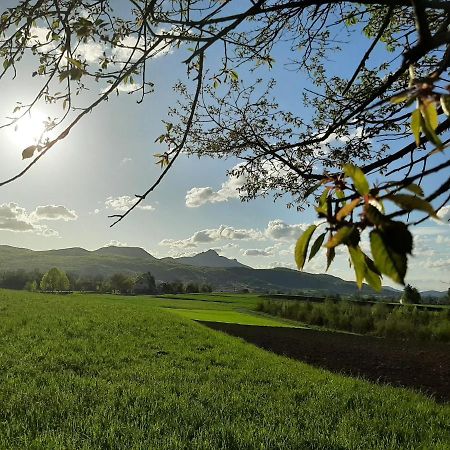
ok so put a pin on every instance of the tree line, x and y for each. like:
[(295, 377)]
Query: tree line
[(56, 280)]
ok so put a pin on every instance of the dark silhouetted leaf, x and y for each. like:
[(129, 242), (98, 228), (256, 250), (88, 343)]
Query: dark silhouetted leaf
[(398, 237), (316, 246), (29, 151), (388, 261), (331, 253)]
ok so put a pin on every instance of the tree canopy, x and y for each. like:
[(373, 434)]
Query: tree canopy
[(55, 280), (361, 146)]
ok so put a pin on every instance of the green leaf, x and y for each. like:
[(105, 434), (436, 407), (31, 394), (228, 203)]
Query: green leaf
[(373, 279), (445, 104), (347, 209), (429, 132), (373, 275), (29, 152), (341, 236), (63, 75), (76, 63), (412, 202), (416, 120), (234, 75), (388, 261), (316, 246), (415, 189), (301, 247), (358, 178), (359, 263), (430, 115), (400, 97)]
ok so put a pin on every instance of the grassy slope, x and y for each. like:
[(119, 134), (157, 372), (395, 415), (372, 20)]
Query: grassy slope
[(110, 372)]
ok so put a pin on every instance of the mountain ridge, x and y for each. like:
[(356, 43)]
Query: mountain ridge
[(134, 260)]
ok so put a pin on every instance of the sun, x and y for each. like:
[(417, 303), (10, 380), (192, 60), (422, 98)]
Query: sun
[(29, 129)]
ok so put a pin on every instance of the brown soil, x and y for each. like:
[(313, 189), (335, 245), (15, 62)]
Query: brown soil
[(424, 366)]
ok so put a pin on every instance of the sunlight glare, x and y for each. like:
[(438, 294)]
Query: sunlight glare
[(29, 129)]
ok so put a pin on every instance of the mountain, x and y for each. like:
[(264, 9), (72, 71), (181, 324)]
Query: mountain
[(130, 252), (222, 273), (434, 294), (210, 258)]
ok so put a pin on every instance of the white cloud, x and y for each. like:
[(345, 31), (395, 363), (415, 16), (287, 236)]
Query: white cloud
[(444, 214), (198, 196), (53, 212), (89, 51), (173, 243), (17, 219), (130, 48), (269, 251), (279, 230), (41, 37), (223, 233), (125, 202), (442, 239), (126, 160)]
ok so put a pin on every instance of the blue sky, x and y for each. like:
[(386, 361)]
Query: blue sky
[(65, 200)]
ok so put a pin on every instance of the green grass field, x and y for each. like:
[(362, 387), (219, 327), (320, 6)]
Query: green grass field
[(109, 372)]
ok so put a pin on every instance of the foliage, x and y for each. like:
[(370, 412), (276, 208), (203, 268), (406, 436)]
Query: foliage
[(378, 319), (146, 378), (18, 279), (410, 296), (145, 284), (363, 150), (122, 283), (54, 280)]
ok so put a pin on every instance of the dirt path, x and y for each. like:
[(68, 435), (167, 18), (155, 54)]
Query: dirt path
[(423, 366)]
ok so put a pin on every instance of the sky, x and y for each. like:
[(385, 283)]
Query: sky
[(65, 200)]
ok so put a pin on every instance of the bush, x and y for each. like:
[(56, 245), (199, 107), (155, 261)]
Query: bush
[(406, 322)]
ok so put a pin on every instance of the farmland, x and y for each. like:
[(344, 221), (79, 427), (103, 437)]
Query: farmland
[(82, 371)]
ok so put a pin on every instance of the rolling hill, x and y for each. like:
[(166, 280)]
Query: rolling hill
[(206, 267)]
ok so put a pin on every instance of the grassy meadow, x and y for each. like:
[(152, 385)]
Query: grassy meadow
[(111, 372)]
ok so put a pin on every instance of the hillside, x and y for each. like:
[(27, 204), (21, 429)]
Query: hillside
[(231, 276), (210, 258)]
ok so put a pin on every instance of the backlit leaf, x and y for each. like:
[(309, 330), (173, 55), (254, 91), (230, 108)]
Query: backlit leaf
[(301, 247), (445, 104), (412, 202), (359, 263), (340, 236), (347, 209), (416, 120), (430, 115), (415, 189), (358, 178), (373, 279)]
